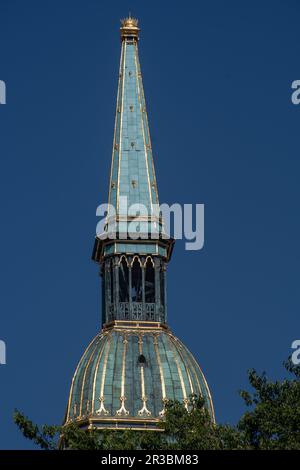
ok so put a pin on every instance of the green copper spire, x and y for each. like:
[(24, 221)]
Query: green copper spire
[(133, 204), (132, 180)]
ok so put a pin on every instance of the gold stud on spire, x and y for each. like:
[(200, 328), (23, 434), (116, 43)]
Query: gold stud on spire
[(129, 28)]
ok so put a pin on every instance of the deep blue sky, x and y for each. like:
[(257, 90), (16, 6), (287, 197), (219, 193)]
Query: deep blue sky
[(217, 78)]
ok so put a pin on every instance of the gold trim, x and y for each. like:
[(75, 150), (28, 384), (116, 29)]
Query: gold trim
[(138, 424), (151, 260), (204, 379), (115, 128), (121, 127), (135, 325), (122, 409), (142, 123), (208, 391), (162, 379), (129, 29), (144, 410), (102, 409), (175, 340), (138, 259), (100, 245), (132, 428), (123, 256), (112, 419), (185, 399), (193, 368), (96, 370), (148, 129), (143, 218), (83, 380), (75, 374)]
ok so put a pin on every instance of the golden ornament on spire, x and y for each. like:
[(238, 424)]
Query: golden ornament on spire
[(129, 28)]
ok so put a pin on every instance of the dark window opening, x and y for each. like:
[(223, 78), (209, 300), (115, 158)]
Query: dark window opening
[(124, 281), (136, 283), (149, 282), (142, 359)]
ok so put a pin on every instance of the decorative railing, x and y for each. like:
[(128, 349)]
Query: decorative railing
[(135, 311)]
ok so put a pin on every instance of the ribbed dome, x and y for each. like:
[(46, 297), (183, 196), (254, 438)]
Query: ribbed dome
[(128, 372)]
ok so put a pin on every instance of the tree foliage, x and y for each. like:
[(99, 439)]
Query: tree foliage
[(272, 421)]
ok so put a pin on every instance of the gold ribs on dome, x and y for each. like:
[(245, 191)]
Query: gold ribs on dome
[(114, 386)]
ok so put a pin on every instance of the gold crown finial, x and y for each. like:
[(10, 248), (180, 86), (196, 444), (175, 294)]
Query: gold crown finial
[(129, 28)]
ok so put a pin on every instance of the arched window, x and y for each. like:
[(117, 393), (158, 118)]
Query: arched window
[(149, 282), (136, 281), (124, 281)]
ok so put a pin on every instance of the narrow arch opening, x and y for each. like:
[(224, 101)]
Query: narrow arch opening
[(149, 282), (136, 282), (124, 281)]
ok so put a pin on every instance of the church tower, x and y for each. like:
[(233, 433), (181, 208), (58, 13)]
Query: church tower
[(135, 364)]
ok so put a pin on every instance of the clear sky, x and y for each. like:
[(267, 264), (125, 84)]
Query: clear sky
[(217, 78)]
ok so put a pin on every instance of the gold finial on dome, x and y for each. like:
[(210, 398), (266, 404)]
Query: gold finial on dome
[(129, 28)]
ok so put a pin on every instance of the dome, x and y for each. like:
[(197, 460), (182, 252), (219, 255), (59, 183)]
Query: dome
[(128, 372)]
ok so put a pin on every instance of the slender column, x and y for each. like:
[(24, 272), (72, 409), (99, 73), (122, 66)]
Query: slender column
[(164, 269), (130, 289), (157, 289), (143, 291), (107, 289), (104, 314), (116, 287)]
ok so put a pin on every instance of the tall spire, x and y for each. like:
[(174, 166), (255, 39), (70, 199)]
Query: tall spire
[(133, 195), (132, 180), (133, 254)]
